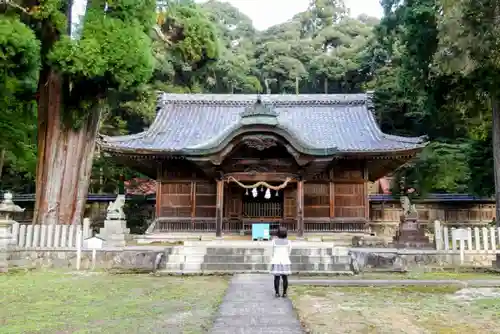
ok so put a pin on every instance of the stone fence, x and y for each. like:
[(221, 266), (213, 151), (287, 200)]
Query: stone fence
[(49, 236), (475, 239)]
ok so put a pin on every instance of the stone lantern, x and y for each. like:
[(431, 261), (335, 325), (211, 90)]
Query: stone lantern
[(7, 209)]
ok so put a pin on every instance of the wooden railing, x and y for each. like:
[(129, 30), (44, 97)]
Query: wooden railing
[(331, 225), (174, 224), (262, 209), (244, 226)]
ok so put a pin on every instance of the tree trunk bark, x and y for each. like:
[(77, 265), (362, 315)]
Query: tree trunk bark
[(496, 154), (2, 161), (64, 157)]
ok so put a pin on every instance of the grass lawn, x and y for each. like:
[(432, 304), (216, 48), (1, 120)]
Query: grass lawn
[(56, 302), (440, 310)]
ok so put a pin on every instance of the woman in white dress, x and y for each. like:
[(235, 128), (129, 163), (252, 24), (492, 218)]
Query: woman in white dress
[(280, 261)]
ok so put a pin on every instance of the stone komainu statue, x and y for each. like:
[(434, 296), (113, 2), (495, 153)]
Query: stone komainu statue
[(407, 206), (115, 209)]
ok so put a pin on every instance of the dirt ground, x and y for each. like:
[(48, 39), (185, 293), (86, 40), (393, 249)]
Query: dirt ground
[(409, 310), (59, 303), (414, 275)]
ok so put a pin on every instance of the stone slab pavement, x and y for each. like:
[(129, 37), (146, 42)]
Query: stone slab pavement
[(405, 282), (250, 307)]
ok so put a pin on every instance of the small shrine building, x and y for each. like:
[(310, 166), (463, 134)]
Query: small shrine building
[(225, 162)]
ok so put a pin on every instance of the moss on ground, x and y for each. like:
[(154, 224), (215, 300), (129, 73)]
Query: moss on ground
[(415, 309), (57, 302)]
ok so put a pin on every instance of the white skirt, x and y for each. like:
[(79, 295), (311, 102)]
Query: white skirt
[(281, 269)]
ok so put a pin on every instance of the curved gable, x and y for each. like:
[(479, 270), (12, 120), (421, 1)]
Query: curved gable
[(314, 124)]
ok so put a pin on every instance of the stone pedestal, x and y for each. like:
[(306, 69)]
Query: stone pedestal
[(7, 208), (411, 234), (5, 243), (115, 232)]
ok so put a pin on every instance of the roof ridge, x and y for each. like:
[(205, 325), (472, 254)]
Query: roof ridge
[(270, 99)]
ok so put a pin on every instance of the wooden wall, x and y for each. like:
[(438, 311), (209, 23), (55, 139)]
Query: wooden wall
[(184, 192), (341, 193), (449, 213), (350, 189), (175, 199), (187, 199), (349, 200), (205, 199), (316, 200)]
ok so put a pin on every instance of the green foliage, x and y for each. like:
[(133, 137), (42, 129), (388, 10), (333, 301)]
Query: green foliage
[(480, 163), (418, 62), (137, 12), (440, 167), (19, 56), (19, 66), (193, 35), (53, 11), (137, 214), (432, 65), (111, 50)]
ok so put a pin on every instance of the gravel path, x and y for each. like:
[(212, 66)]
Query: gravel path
[(250, 307)]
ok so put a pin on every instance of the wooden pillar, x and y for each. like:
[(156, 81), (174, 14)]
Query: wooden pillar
[(300, 208), (332, 199), (366, 191), (193, 203), (219, 208), (158, 191)]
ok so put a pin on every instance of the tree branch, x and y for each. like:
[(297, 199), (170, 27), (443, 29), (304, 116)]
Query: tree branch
[(12, 4), (161, 35)]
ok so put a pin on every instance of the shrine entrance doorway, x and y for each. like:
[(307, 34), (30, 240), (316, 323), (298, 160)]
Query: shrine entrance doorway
[(263, 203), (257, 201)]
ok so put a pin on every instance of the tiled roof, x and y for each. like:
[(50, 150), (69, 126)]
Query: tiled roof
[(188, 123), (140, 186)]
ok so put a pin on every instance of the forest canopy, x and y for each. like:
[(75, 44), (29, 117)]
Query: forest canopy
[(213, 47)]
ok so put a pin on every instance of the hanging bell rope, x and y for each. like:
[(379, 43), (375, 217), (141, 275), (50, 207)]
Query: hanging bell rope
[(261, 183)]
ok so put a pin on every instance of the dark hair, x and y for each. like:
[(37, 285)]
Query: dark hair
[(282, 233)]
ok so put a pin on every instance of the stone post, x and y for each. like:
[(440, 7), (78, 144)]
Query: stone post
[(115, 230), (496, 263), (7, 208)]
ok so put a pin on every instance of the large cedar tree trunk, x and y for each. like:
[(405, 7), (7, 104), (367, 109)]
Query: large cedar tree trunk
[(496, 155), (64, 157)]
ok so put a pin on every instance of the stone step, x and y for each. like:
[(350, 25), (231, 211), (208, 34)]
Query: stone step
[(181, 250), (184, 258), (268, 251), (296, 267), (267, 259), (236, 251), (231, 272)]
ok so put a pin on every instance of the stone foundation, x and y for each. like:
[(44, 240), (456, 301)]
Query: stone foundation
[(139, 259), (228, 259), (403, 260)]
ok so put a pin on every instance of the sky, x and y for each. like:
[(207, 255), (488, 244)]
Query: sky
[(266, 13)]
